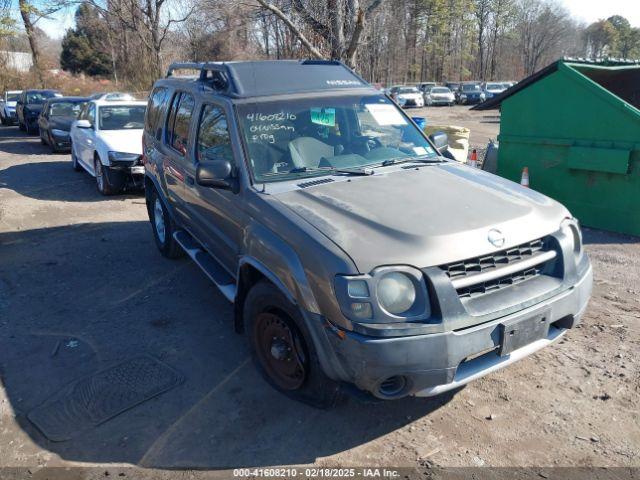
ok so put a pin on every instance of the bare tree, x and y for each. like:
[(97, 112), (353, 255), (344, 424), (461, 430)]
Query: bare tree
[(150, 20), (542, 26), (341, 28), (30, 15)]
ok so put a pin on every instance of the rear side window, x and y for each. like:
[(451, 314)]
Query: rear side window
[(213, 135), (156, 106), (178, 122)]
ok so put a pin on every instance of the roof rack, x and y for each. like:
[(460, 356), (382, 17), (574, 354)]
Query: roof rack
[(220, 78), (254, 78)]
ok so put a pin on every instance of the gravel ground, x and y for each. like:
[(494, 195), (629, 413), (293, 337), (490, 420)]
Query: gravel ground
[(82, 288)]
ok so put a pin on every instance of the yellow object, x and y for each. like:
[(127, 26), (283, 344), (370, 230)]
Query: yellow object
[(458, 139)]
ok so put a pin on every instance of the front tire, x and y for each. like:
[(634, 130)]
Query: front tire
[(103, 182), (74, 160), (282, 349), (163, 227)]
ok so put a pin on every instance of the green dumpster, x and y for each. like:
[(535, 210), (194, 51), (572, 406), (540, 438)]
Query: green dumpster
[(576, 126)]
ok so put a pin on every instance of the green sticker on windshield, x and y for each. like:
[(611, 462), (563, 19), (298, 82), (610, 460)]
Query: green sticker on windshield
[(324, 116)]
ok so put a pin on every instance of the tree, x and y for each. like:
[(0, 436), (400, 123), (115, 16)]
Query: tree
[(601, 36), (542, 26), (482, 13), (627, 42), (30, 14), (149, 20), (341, 28), (83, 48)]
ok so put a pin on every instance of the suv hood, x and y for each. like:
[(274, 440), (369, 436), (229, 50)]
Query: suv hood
[(430, 216)]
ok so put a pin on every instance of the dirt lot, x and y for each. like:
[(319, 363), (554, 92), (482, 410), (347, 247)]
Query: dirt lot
[(82, 287)]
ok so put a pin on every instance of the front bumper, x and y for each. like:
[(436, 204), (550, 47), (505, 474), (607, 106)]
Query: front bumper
[(472, 100), (122, 174), (435, 363), (61, 143), (411, 102), (441, 101)]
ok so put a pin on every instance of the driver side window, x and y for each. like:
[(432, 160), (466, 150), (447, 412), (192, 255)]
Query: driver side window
[(91, 114)]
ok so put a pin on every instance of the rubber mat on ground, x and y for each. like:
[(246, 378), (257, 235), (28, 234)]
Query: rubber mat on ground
[(93, 400)]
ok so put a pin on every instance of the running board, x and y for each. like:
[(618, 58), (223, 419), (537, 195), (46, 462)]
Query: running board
[(218, 275)]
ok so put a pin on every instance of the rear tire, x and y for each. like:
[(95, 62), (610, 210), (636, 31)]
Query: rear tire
[(282, 348), (163, 227)]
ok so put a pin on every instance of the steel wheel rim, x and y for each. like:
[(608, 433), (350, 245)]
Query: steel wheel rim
[(99, 176), (158, 217), (280, 351)]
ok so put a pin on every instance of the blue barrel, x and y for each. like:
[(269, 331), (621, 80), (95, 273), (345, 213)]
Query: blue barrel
[(420, 121)]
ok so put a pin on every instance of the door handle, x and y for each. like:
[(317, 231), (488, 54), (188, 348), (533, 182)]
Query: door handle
[(190, 180)]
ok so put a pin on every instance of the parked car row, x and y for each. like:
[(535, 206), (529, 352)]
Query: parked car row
[(103, 132), (451, 93)]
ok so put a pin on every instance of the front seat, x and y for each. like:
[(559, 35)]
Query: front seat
[(308, 151)]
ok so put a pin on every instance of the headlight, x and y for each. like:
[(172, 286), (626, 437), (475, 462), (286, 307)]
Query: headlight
[(59, 133), (396, 293), (571, 229), (387, 295), (123, 156)]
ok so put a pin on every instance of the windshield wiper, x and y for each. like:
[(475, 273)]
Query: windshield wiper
[(355, 171), (420, 158), (429, 159), (350, 171)]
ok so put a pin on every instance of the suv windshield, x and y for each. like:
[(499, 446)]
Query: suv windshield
[(65, 109), (470, 87), (494, 86), (39, 97), (12, 97), (121, 117), (295, 138), (440, 90)]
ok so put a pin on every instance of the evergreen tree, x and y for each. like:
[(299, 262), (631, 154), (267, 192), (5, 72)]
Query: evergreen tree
[(82, 47)]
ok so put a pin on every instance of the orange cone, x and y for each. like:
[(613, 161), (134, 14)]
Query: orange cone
[(524, 180), (473, 159)]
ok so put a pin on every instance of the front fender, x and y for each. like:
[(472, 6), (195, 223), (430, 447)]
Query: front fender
[(285, 270)]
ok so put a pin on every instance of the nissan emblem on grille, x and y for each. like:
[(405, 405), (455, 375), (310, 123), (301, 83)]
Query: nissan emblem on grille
[(496, 238)]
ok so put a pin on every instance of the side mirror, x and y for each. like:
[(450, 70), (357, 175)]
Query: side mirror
[(214, 174), (83, 124), (440, 141)]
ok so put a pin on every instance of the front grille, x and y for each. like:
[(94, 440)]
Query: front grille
[(502, 282), (469, 268)]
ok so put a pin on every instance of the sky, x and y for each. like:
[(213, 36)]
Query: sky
[(585, 10), (591, 10)]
